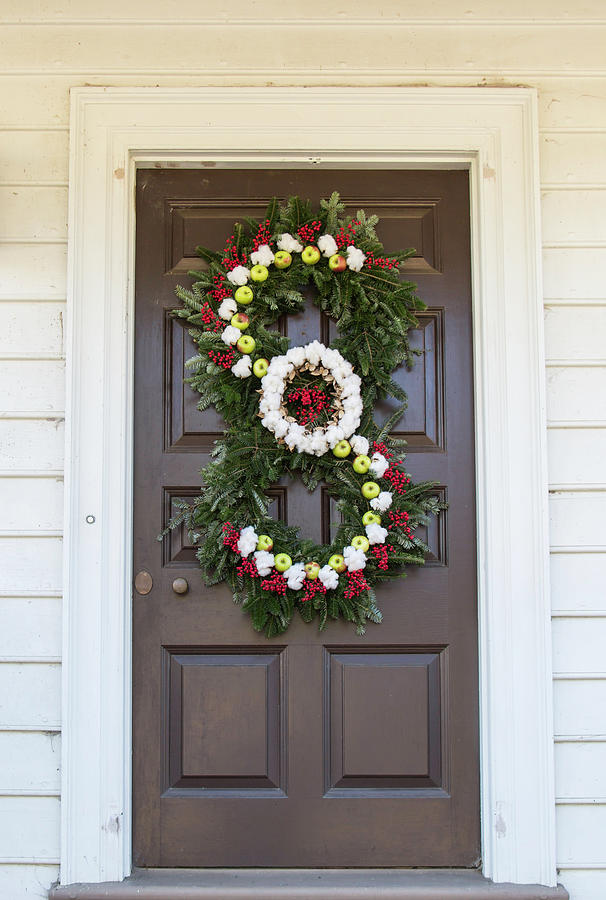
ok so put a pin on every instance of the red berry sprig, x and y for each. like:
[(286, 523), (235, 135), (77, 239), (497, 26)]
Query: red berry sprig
[(247, 567), (381, 553), (276, 583), (225, 360), (312, 588), (308, 232), (356, 584), (311, 402), (263, 235), (231, 257), (219, 292), (231, 536), (345, 236), (399, 519), (397, 479), (381, 448), (381, 262)]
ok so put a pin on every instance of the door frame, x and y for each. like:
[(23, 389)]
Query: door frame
[(494, 134)]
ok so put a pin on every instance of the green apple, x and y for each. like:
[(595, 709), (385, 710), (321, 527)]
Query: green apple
[(337, 263), (360, 542), (311, 570), (370, 518), (260, 367), (244, 295), (264, 542), (240, 321), (282, 259), (282, 562), (246, 344), (361, 464), (259, 273), (370, 489), (342, 449), (311, 255), (337, 562)]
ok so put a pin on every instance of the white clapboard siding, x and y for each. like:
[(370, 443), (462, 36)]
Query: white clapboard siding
[(30, 694), (574, 273), (570, 159), (35, 444), (574, 333), (34, 820), (31, 503), (576, 393), (27, 882), (575, 216), (579, 646), (581, 831), (578, 583), (30, 564), (33, 213), (31, 329), (31, 271), (30, 157), (579, 706), (576, 455), (580, 769), (567, 103), (577, 519), (31, 384), (30, 762), (30, 628), (584, 884)]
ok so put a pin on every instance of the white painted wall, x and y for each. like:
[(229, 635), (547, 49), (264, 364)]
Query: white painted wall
[(47, 47)]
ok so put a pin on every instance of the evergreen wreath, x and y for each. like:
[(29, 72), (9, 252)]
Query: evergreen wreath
[(304, 410)]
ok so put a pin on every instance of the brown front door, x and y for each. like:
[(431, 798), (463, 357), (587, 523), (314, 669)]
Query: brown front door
[(309, 749)]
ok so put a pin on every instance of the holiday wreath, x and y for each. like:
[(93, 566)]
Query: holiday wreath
[(303, 410)]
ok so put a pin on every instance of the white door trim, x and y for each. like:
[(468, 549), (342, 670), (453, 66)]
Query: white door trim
[(493, 132)]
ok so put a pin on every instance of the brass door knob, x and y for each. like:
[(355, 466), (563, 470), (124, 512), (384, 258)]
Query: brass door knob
[(180, 586), (143, 582)]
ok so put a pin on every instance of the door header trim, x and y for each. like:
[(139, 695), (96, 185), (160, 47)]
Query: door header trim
[(493, 133)]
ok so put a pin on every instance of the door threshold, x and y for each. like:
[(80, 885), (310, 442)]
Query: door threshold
[(306, 884)]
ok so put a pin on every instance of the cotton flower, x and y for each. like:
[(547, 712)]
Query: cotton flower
[(295, 576), (239, 275), (272, 383), (243, 367), (351, 385), (228, 308), (359, 445), (262, 256), (382, 502), (313, 352), (287, 242), (264, 562), (355, 258), (378, 465), (319, 444), (334, 434), (327, 244), (376, 534), (296, 356), (247, 541), (230, 335), (328, 577), (354, 559)]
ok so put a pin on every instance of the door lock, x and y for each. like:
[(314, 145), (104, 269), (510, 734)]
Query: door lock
[(180, 586), (143, 582)]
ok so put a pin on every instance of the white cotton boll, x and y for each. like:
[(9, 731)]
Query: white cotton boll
[(329, 578), (281, 428), (331, 358), (228, 308), (264, 562), (351, 386), (355, 258), (262, 256), (230, 335), (243, 367), (319, 444), (304, 444), (272, 384), (274, 363), (359, 445), (293, 435), (271, 419), (269, 403), (376, 534), (282, 370), (296, 356), (378, 465), (382, 502), (295, 576), (342, 371), (348, 424), (247, 541), (287, 242), (313, 352), (327, 244), (354, 559), (239, 275), (334, 434)]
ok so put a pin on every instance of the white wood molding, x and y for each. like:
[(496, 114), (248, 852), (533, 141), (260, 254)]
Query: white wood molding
[(493, 132)]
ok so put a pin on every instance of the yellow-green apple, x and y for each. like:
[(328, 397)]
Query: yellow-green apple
[(282, 562), (370, 518), (337, 263), (246, 344), (361, 464), (370, 489), (244, 295), (342, 449), (311, 255), (360, 542), (260, 366), (337, 562), (259, 273), (282, 259), (240, 321), (311, 570), (264, 542)]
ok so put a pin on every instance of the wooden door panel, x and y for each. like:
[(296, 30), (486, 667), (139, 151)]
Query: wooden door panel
[(310, 749)]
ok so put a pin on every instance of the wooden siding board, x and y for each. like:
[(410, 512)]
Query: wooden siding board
[(31, 328), (30, 627), (577, 583), (30, 694), (580, 770), (31, 822), (30, 762), (27, 882), (575, 334)]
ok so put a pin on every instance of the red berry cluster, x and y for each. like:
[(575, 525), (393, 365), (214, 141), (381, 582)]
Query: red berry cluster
[(345, 236), (263, 235), (209, 318), (399, 519), (356, 584), (397, 479), (219, 292), (275, 583), (308, 232), (247, 567), (381, 553), (231, 536), (382, 262), (382, 449), (312, 588), (225, 360), (231, 257), (310, 403)]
